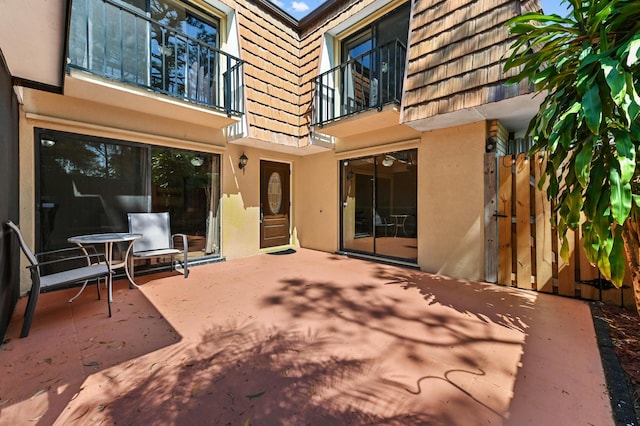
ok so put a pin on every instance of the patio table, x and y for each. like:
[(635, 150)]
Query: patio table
[(400, 220), (108, 239)]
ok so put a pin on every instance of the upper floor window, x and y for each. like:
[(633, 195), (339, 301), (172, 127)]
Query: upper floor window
[(163, 45), (371, 69)]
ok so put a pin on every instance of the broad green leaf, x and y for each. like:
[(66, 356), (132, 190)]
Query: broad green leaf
[(583, 162), (603, 264), (617, 258), (592, 108), (602, 219), (594, 190), (626, 156), (634, 48), (572, 110), (564, 249), (620, 197), (615, 79), (590, 242), (574, 206)]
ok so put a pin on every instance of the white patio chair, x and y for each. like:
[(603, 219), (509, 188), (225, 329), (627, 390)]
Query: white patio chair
[(156, 241), (66, 267)]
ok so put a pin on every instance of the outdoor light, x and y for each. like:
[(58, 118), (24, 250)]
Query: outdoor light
[(243, 162), (388, 161), (47, 142)]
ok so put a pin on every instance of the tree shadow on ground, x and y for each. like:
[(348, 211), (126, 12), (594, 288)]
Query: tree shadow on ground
[(247, 375)]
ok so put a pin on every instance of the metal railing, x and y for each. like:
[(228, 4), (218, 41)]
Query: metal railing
[(117, 42), (371, 80)]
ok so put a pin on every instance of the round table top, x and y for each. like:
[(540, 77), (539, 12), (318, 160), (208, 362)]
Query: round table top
[(107, 237)]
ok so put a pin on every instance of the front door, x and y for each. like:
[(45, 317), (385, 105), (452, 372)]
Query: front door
[(274, 204)]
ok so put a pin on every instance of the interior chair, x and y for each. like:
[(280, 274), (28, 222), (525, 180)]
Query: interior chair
[(156, 241), (382, 223), (58, 270)]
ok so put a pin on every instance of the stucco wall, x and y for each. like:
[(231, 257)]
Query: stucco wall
[(241, 199), (240, 232), (451, 201)]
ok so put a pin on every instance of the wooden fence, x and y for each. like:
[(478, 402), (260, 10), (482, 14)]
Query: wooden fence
[(522, 247)]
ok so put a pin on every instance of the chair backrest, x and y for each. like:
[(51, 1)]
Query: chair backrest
[(155, 230), (23, 245), (378, 220)]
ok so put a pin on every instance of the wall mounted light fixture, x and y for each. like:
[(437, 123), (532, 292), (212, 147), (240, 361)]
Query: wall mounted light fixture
[(243, 162)]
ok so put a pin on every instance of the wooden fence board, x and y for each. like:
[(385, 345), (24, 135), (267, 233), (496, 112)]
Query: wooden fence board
[(523, 222), (566, 270), (505, 192), (491, 224), (544, 255), (531, 252), (587, 273)]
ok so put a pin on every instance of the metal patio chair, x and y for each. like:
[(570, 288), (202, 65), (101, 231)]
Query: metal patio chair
[(57, 270), (382, 223), (156, 241)]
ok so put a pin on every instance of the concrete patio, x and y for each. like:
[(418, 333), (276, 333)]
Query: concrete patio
[(308, 338)]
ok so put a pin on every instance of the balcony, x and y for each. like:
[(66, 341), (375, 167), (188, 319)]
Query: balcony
[(123, 45), (370, 81)]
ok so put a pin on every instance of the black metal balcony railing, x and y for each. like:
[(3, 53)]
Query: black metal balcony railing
[(370, 80), (119, 43)]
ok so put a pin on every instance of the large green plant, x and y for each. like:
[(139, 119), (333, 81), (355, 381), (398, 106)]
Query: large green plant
[(588, 126)]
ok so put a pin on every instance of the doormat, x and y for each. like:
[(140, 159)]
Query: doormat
[(287, 251)]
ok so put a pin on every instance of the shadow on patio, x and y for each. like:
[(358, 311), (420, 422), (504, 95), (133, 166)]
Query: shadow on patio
[(307, 338)]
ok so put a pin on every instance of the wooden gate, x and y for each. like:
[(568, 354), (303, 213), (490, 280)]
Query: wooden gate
[(523, 249)]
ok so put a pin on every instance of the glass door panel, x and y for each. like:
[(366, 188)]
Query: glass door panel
[(379, 214), (87, 185), (357, 201)]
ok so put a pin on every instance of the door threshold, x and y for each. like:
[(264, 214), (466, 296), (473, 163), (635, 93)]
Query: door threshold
[(379, 259)]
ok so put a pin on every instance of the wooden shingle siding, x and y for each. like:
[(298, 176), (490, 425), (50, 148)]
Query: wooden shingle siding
[(454, 61), (271, 51), (455, 55)]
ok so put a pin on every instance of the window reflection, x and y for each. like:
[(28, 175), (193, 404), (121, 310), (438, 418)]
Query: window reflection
[(88, 185), (379, 205)]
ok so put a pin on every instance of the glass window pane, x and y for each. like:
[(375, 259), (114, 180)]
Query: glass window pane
[(183, 185), (88, 185), (379, 199), (357, 201)]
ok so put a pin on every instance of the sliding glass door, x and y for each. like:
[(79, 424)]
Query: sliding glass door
[(87, 185), (379, 205)]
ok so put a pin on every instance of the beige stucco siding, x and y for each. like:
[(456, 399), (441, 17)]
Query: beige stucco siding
[(451, 201), (240, 226)]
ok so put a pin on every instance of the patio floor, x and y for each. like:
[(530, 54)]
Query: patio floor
[(308, 338)]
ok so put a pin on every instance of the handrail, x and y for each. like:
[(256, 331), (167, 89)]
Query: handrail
[(117, 42), (368, 81)]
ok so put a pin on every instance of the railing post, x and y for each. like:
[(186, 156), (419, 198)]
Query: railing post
[(227, 87)]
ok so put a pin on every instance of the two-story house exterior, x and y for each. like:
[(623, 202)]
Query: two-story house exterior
[(360, 129)]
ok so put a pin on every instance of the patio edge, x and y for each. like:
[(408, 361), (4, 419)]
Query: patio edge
[(617, 382)]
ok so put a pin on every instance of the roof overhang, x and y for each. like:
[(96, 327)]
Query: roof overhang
[(514, 114), (32, 41), (362, 122)]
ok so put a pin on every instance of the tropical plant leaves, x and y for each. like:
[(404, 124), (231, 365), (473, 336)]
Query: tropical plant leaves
[(620, 197), (588, 63)]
